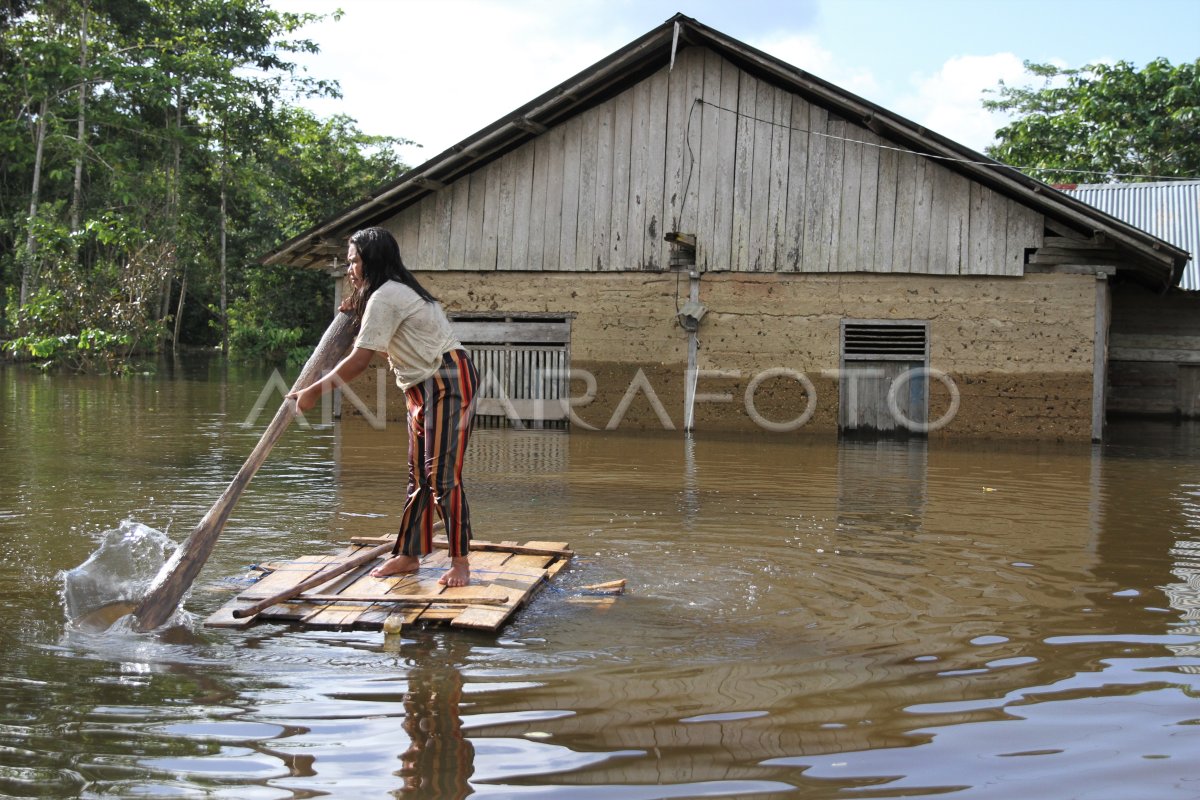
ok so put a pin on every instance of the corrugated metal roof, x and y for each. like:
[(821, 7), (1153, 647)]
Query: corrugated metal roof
[(1169, 210)]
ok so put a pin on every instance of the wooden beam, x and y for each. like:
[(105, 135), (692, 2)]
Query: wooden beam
[(529, 125), (428, 183), (479, 332), (315, 580), (1064, 230), (441, 544), (1100, 357), (392, 599), (1154, 354), (492, 316), (1070, 269)]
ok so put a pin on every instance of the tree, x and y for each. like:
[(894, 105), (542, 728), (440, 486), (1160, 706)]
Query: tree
[(302, 170), (134, 132), (42, 55), (1103, 122)]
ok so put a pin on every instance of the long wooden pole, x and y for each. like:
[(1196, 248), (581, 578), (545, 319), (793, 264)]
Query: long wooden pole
[(176, 576), (321, 577), (385, 599), (315, 580)]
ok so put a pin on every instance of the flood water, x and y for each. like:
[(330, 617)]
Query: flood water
[(804, 618)]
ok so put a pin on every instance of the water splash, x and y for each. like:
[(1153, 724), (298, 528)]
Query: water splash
[(116, 576)]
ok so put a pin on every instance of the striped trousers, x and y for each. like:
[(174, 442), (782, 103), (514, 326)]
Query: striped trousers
[(441, 410)]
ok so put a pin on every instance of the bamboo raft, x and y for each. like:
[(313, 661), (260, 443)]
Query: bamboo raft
[(338, 592)]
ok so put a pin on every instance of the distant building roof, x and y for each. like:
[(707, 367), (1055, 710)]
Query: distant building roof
[(1169, 210)]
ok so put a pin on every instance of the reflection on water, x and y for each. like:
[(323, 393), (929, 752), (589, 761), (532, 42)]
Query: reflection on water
[(439, 759), (803, 618)]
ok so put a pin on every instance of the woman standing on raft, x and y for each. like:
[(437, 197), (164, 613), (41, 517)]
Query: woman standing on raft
[(397, 316)]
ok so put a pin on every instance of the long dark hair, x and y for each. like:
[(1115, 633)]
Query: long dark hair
[(381, 262)]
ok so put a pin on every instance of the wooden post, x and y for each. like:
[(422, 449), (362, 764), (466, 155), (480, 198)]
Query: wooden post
[(689, 389), (1100, 356)]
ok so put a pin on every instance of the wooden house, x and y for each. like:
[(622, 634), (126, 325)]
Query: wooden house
[(1154, 347), (692, 233)]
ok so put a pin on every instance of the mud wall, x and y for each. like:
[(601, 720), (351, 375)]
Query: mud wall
[(1018, 351)]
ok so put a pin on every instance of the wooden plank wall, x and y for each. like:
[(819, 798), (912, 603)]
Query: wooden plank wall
[(1154, 352), (766, 180)]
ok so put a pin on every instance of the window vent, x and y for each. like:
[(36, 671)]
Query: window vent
[(885, 341), (524, 362)]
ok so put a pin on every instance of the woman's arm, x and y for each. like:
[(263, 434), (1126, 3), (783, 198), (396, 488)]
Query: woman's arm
[(347, 370)]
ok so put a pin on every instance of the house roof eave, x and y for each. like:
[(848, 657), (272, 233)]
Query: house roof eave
[(650, 51), (510, 131), (1001, 177)]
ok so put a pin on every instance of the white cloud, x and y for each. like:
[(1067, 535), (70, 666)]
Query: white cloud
[(437, 72), (414, 70), (805, 52), (950, 101)]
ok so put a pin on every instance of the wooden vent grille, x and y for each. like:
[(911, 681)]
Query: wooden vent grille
[(885, 341), (524, 363)]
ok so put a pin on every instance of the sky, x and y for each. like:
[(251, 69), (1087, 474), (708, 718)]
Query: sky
[(437, 71)]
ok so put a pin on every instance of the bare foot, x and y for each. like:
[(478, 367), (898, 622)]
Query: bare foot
[(396, 565), (459, 573)]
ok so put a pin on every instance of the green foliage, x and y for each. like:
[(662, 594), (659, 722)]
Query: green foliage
[(86, 349), (41, 317), (93, 317), (325, 166), (281, 312), (303, 169), (1103, 122), (188, 129)]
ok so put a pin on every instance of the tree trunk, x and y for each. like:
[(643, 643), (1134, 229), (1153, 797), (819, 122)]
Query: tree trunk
[(172, 214), (179, 312), (224, 296), (29, 271), (81, 127)]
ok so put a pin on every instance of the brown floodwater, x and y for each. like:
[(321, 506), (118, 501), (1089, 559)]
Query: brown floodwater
[(805, 618)]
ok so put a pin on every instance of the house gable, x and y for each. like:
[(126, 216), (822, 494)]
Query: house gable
[(756, 223), (766, 180)]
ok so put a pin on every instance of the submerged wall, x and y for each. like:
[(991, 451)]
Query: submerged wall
[(1155, 353), (1018, 351)]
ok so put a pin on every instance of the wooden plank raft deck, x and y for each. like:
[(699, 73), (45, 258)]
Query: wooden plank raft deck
[(504, 576)]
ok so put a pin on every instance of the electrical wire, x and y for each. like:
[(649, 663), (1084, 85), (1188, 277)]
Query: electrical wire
[(703, 102), (687, 139)]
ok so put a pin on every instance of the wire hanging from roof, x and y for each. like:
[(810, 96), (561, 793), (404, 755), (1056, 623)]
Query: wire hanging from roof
[(701, 101)]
